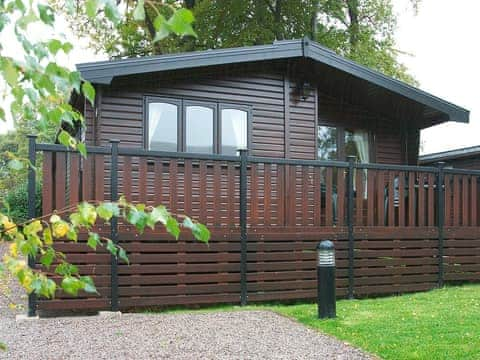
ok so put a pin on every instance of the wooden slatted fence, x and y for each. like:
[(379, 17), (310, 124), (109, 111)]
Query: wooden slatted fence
[(389, 232)]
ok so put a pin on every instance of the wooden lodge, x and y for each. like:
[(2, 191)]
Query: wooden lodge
[(465, 158), (331, 153)]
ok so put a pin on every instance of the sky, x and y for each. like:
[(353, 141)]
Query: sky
[(441, 50)]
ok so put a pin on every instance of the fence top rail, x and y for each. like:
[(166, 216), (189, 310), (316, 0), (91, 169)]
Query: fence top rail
[(375, 166), (454, 171), (318, 163), (63, 148), (175, 155), (124, 151)]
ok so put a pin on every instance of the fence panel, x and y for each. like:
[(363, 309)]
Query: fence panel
[(290, 206)]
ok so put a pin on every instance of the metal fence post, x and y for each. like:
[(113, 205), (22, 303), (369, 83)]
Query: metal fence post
[(243, 226), (440, 220), (114, 225), (351, 239), (32, 158)]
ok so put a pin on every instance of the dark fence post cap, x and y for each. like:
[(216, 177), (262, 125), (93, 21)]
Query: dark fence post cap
[(325, 245), (32, 136)]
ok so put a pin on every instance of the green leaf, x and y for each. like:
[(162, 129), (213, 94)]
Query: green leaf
[(200, 231), (15, 164), (88, 285), (111, 247), (93, 240), (47, 15), (48, 258), (87, 214), (72, 234), (10, 73), (107, 210), (139, 11), (72, 285), (180, 22), (89, 92), (66, 139), (54, 45), (66, 269), (111, 12), (67, 47), (82, 149), (172, 227), (123, 255), (91, 8)]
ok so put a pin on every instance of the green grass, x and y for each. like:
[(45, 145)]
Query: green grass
[(440, 324)]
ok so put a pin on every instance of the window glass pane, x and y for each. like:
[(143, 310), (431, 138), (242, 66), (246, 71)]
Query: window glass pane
[(199, 129), (234, 131), (162, 126), (327, 143), (356, 144)]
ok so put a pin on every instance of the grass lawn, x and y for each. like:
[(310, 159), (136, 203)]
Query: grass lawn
[(440, 324)]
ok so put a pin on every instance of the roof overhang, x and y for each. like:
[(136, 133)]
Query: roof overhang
[(104, 72), (450, 155)]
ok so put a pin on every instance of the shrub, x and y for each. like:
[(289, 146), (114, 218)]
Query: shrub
[(16, 202)]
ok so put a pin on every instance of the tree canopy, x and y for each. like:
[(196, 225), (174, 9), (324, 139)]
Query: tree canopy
[(362, 30)]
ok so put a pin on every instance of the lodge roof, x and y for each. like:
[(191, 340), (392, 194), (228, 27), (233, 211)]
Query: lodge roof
[(436, 110), (450, 154)]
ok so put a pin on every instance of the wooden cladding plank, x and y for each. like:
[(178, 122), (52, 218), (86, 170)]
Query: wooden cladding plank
[(317, 197), (341, 197), (87, 179), (474, 201), (187, 187), (328, 196), (391, 198), (421, 200), (48, 183), (74, 178), (465, 200), (253, 194), (370, 197), (456, 200), (267, 195), (99, 177), (412, 199), (304, 197), (172, 185), (431, 200), (203, 192), (359, 200), (380, 195), (448, 200), (60, 180), (158, 181), (401, 199)]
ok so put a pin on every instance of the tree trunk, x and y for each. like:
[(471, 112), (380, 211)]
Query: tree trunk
[(354, 28)]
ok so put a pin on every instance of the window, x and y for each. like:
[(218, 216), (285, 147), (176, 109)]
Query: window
[(196, 127), (234, 124), (199, 129), (162, 126), (337, 143)]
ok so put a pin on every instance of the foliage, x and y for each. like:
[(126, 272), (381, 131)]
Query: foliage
[(36, 238), (362, 30), (15, 202), (37, 89)]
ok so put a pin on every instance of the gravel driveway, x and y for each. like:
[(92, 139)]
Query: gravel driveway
[(212, 335)]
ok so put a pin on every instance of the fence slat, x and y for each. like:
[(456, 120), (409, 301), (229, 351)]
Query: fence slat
[(74, 179), (465, 200), (474, 200), (412, 199), (267, 194), (60, 180), (48, 183), (456, 200), (317, 197), (99, 177), (421, 199), (401, 199), (431, 200), (328, 197), (380, 198), (371, 197), (341, 197)]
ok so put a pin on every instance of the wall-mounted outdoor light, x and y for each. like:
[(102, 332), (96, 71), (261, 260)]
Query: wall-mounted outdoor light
[(326, 279)]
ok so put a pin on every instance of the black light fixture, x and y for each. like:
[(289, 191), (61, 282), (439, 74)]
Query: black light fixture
[(303, 89), (326, 280)]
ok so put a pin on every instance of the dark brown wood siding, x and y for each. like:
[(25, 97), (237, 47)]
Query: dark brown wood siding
[(263, 87)]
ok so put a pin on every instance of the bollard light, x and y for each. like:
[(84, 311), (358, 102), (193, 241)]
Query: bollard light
[(326, 280)]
